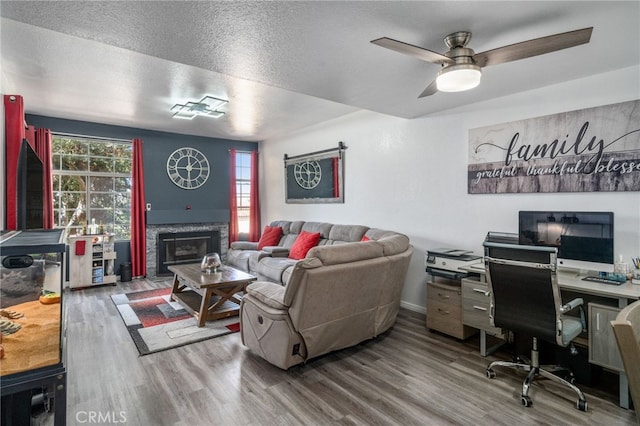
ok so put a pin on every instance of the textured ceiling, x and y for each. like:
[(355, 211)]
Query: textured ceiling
[(283, 65)]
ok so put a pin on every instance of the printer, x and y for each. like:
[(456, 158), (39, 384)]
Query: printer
[(447, 262)]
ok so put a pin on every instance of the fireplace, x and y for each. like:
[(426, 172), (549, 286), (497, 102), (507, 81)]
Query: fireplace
[(153, 230), (176, 248)]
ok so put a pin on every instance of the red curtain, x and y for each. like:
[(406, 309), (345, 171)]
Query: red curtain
[(336, 184), (14, 132), (254, 201), (233, 199), (138, 218), (42, 147), (30, 136)]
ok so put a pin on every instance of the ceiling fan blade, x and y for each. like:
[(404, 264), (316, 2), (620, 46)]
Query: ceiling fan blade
[(430, 90), (410, 49), (535, 47)]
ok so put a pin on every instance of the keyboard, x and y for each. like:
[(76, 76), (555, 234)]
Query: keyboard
[(603, 280)]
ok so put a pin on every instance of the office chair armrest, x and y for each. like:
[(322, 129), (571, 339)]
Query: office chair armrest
[(571, 305), (575, 303)]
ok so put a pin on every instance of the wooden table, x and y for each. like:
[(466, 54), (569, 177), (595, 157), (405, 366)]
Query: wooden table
[(208, 296)]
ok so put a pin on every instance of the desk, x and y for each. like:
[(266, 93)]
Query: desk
[(571, 281)]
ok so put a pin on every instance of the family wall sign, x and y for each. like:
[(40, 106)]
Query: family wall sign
[(589, 150)]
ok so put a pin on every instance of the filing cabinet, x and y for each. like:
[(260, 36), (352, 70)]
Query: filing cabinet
[(603, 348), (444, 308)]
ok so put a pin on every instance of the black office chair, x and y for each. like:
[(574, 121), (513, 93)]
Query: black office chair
[(525, 299)]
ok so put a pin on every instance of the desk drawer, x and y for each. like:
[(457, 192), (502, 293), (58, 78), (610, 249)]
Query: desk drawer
[(475, 306), (438, 309), (443, 293), (476, 315), (475, 290), (443, 319)]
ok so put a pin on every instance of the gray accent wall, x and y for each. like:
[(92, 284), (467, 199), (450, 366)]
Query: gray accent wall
[(169, 203)]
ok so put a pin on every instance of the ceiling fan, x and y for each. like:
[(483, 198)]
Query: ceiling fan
[(461, 66)]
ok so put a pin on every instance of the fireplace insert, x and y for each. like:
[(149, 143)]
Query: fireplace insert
[(176, 248)]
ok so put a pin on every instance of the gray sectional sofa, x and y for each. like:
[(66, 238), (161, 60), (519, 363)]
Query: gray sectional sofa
[(343, 292), (272, 263)]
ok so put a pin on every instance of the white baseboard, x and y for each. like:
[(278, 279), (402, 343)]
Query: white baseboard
[(412, 307)]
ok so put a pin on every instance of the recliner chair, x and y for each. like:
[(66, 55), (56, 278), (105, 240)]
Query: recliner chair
[(525, 299)]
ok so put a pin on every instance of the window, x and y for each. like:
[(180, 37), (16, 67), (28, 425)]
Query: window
[(92, 182), (243, 191)]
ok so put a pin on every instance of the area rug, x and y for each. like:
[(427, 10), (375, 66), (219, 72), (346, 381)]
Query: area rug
[(156, 323)]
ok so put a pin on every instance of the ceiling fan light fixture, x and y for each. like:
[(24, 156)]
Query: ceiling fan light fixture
[(458, 77)]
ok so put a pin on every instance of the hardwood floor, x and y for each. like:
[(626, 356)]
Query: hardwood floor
[(408, 376)]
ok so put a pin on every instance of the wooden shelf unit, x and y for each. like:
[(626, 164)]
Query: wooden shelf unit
[(96, 265)]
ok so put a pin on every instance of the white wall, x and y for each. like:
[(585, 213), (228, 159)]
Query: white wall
[(3, 84), (410, 175), (2, 177)]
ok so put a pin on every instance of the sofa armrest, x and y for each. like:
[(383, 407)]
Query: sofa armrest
[(270, 294), (269, 251), (276, 251), (244, 245)]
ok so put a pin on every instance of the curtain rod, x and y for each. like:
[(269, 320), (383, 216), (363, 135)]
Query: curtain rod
[(92, 137), (341, 146)]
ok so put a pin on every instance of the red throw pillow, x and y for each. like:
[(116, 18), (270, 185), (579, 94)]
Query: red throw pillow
[(305, 242), (365, 238), (270, 236)]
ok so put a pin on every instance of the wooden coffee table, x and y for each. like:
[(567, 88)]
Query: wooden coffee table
[(208, 296)]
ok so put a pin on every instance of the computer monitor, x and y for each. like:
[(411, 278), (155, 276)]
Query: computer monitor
[(584, 239)]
